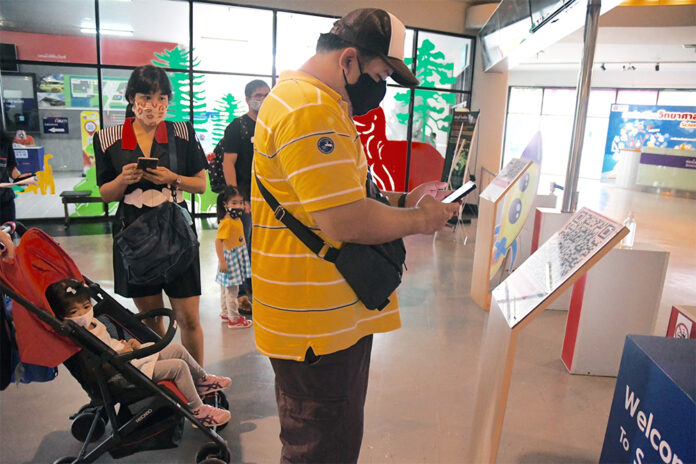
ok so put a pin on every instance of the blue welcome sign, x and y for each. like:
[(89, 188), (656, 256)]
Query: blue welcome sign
[(653, 413)]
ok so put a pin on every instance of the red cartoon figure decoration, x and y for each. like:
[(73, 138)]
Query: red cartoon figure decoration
[(387, 158)]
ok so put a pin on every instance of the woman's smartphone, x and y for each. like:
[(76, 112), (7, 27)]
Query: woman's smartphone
[(147, 163), (460, 193)]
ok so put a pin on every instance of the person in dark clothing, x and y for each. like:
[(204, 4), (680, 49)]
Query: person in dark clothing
[(238, 144), (8, 172), (144, 133)]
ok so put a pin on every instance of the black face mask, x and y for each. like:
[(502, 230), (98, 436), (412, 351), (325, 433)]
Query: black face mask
[(366, 94), (235, 213)]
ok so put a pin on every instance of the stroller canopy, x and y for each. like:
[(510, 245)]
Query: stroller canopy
[(39, 262)]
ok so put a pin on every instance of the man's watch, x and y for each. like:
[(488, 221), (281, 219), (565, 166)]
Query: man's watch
[(402, 200)]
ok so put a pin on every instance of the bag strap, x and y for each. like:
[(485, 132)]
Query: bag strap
[(301, 231), (171, 147), (173, 161)]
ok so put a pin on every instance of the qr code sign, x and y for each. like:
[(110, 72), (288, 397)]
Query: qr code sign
[(581, 237)]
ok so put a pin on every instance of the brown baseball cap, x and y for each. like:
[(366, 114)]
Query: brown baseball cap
[(380, 32)]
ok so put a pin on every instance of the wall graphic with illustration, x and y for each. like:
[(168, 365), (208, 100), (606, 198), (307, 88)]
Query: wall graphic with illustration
[(637, 127), (431, 111), (516, 207), (387, 158)]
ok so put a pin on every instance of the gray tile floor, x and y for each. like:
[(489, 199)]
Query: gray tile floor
[(423, 376)]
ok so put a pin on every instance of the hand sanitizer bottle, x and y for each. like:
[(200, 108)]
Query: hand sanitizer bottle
[(630, 224)]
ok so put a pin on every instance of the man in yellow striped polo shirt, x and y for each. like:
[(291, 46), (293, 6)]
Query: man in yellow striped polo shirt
[(308, 155)]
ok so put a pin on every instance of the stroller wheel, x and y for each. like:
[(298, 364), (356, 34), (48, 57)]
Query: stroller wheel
[(65, 460), (82, 423), (211, 453)]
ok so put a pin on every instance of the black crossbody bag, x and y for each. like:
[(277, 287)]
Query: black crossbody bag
[(372, 271)]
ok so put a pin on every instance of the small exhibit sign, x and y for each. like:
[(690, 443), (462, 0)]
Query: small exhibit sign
[(55, 125)]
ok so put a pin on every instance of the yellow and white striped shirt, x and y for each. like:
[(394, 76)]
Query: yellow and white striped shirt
[(308, 155)]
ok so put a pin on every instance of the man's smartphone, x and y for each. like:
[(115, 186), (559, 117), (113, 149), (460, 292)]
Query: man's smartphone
[(460, 193), (147, 163)]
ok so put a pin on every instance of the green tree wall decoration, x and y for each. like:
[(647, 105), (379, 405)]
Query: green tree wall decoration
[(431, 108), (228, 108), (176, 58)]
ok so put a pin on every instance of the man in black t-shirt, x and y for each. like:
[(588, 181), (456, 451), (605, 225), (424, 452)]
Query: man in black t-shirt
[(238, 144)]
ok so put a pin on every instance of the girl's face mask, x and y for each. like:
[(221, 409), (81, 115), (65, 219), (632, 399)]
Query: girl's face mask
[(83, 320), (235, 213), (150, 109)]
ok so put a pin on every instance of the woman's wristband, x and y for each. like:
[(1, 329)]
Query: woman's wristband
[(401, 203)]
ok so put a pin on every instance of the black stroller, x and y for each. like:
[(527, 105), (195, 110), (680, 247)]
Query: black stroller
[(143, 415)]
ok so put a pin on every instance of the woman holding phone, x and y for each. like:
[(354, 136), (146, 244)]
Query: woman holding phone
[(140, 185)]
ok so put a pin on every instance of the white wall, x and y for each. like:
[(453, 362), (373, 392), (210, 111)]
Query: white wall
[(440, 15), (489, 96), (648, 78)]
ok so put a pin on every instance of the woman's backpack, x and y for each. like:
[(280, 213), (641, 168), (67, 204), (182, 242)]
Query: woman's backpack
[(215, 172)]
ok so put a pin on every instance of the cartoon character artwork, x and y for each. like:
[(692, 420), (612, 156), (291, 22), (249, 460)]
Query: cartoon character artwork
[(387, 158), (46, 182), (518, 202)]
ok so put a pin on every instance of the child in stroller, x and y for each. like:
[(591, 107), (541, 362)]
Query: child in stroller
[(70, 299), (141, 414)]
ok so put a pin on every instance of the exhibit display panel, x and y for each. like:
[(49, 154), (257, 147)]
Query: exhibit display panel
[(489, 202), (553, 268), (651, 146), (504, 207), (652, 417)]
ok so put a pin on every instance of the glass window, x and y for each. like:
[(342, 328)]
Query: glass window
[(600, 102), (518, 131), (143, 32), (50, 30), (232, 39), (443, 61), (525, 100), (297, 38), (559, 101), (637, 97), (61, 149), (114, 82), (593, 148), (556, 135), (223, 100), (677, 97)]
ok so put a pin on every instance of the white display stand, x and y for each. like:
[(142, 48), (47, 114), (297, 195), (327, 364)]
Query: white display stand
[(524, 239), (523, 295), (627, 168), (548, 221), (619, 296)]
